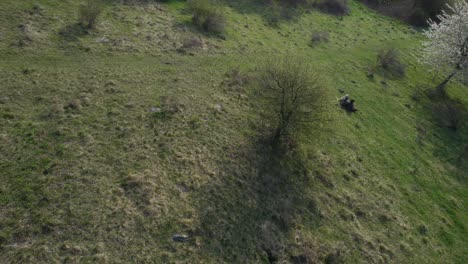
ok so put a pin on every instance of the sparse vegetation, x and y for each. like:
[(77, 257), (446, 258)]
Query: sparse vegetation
[(89, 13), (208, 15), (236, 78), (319, 37), (389, 61), (192, 43), (115, 147)]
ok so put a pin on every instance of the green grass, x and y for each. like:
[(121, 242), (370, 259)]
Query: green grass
[(89, 174)]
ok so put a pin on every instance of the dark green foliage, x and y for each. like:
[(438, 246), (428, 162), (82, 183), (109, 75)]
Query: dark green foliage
[(208, 15)]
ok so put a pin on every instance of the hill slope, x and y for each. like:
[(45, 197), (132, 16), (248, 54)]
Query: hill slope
[(114, 141)]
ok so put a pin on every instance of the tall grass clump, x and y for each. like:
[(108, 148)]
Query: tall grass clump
[(208, 15), (89, 13), (389, 60)]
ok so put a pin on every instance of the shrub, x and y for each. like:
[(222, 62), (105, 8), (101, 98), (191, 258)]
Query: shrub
[(319, 36), (290, 94), (192, 43), (208, 16), (236, 78), (334, 7), (274, 14), (89, 13), (171, 104), (279, 10), (389, 61), (416, 94)]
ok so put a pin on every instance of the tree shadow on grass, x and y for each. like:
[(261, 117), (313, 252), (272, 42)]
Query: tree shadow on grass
[(247, 213), (450, 117)]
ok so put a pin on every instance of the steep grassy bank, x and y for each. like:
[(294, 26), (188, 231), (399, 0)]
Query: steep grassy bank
[(91, 170)]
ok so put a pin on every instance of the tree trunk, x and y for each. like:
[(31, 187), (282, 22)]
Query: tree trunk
[(441, 87)]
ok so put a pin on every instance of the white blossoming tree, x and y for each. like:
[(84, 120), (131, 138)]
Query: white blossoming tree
[(447, 47)]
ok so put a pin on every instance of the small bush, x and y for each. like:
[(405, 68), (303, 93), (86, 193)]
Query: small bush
[(208, 16), (334, 7), (192, 43), (389, 61), (417, 94), (279, 10), (89, 13), (319, 36), (171, 104), (274, 14), (236, 78), (291, 95)]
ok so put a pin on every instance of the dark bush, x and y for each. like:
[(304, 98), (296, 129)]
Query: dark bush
[(237, 78), (291, 95), (208, 15), (416, 94), (334, 7), (192, 43), (89, 13), (319, 36), (389, 61)]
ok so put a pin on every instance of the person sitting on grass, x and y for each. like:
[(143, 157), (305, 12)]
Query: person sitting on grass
[(350, 107), (346, 104), (344, 100)]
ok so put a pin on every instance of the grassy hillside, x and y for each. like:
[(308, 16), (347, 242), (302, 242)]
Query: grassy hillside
[(114, 141)]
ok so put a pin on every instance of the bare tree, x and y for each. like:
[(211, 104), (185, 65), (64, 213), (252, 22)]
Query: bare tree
[(447, 48), (293, 95)]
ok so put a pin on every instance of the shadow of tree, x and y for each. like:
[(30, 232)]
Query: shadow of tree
[(247, 212), (450, 117)]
